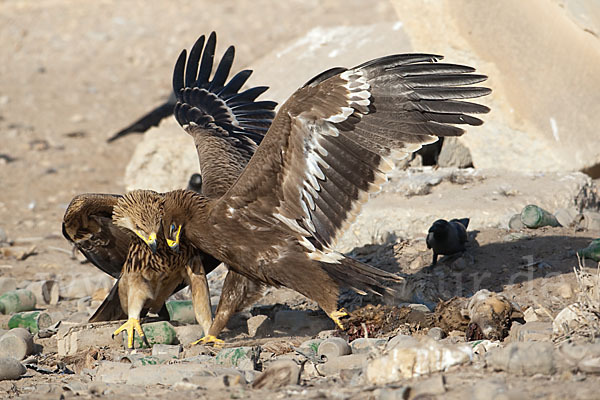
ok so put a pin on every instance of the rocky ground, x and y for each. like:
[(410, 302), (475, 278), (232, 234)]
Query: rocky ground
[(74, 73)]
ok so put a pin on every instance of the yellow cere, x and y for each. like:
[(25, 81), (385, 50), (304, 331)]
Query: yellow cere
[(175, 242)]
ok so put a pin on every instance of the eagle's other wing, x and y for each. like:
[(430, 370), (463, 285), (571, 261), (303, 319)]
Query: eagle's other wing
[(333, 142), (88, 224), (227, 125)]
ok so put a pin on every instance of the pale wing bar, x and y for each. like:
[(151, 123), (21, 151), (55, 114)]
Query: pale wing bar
[(393, 106)]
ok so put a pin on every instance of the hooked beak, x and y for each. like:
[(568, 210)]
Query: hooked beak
[(174, 244), (151, 242)]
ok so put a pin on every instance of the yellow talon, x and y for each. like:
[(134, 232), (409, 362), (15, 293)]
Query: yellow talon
[(336, 315), (132, 325), (210, 339)]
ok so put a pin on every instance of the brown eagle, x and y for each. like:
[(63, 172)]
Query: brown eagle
[(329, 146), (111, 230)]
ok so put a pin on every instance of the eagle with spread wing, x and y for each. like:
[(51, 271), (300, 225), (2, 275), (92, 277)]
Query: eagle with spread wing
[(121, 234), (328, 148)]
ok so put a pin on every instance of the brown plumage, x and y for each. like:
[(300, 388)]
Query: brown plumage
[(329, 146), (149, 272), (223, 105)]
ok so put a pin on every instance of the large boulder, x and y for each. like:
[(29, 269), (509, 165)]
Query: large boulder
[(543, 63)]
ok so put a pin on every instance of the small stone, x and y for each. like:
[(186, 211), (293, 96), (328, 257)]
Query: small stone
[(332, 348), (188, 333), (523, 358), (16, 343), (565, 291), (590, 365), (436, 333), (419, 307), (278, 374), (367, 345), (10, 369), (259, 325), (530, 315)]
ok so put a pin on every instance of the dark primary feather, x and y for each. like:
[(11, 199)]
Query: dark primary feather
[(148, 120), (227, 125)]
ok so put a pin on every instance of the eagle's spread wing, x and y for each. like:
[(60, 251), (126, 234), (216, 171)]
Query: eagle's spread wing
[(334, 140), (88, 224), (227, 125)]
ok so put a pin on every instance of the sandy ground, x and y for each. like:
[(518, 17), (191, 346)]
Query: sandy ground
[(73, 73)]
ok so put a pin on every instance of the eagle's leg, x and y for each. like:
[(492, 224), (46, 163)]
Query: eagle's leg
[(133, 295), (201, 300), (336, 315), (216, 342), (132, 325)]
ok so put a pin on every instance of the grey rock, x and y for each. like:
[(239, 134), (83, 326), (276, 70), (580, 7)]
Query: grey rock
[(436, 333), (368, 345), (16, 343), (277, 375), (401, 341), (530, 331), (454, 154), (188, 333), (523, 358), (75, 338), (333, 348), (10, 369), (259, 325)]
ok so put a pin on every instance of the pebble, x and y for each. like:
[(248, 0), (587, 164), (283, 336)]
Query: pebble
[(188, 333), (367, 345), (259, 325), (530, 315), (10, 369), (7, 284), (436, 333), (332, 348), (408, 360), (523, 358), (278, 374), (45, 292), (16, 343)]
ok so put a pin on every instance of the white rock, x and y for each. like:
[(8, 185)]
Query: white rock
[(424, 358), (571, 318)]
